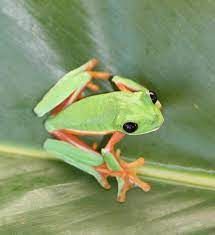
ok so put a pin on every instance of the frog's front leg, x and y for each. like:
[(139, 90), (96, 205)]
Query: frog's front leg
[(124, 172)]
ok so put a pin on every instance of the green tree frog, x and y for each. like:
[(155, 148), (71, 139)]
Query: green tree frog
[(132, 110)]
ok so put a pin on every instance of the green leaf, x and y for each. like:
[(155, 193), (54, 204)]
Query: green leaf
[(167, 46)]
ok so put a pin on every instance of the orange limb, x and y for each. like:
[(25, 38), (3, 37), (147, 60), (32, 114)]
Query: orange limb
[(63, 104), (100, 75), (127, 186), (117, 154), (74, 96), (144, 186), (128, 170), (80, 96), (139, 162), (122, 87), (91, 64), (115, 138), (94, 146), (86, 133), (69, 100), (106, 184), (128, 175), (66, 136), (93, 87), (70, 138)]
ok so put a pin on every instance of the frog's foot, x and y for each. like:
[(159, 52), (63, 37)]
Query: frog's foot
[(129, 179), (104, 173), (126, 177)]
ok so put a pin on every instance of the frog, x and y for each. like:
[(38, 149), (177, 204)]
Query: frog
[(131, 109)]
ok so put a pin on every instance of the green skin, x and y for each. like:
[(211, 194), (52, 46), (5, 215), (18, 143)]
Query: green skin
[(108, 112), (96, 115)]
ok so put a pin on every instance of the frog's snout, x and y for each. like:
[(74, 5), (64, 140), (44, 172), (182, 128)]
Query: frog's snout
[(158, 120)]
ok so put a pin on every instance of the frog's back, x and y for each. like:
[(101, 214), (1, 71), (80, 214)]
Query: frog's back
[(95, 113)]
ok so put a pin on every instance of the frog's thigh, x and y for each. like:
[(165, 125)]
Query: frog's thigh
[(82, 159)]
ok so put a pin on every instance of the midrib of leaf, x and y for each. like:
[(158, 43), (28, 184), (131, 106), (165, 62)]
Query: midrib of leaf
[(198, 178), (9, 150)]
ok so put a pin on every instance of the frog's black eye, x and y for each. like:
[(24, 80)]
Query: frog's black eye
[(153, 96), (130, 127)]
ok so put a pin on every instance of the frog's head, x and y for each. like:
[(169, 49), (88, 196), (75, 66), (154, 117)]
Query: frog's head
[(141, 115)]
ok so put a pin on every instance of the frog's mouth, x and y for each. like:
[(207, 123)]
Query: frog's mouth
[(155, 129)]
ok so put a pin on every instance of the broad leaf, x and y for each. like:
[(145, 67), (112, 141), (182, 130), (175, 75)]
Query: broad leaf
[(167, 46)]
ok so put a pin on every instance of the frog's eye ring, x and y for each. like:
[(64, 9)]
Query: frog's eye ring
[(153, 96), (130, 127)]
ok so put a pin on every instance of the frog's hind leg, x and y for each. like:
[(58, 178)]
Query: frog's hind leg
[(69, 100), (69, 88), (82, 159), (79, 154), (68, 137), (78, 93)]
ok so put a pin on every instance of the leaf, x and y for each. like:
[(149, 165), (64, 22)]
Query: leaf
[(165, 45)]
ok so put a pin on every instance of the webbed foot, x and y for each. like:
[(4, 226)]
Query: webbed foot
[(126, 176)]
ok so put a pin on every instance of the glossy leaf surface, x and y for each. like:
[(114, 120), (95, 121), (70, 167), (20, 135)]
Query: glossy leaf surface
[(167, 46)]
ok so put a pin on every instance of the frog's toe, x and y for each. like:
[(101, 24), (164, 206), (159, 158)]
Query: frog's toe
[(123, 186), (105, 183), (103, 174)]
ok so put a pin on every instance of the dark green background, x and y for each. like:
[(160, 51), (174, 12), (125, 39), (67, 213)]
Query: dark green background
[(167, 46)]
